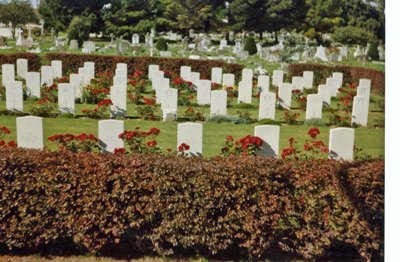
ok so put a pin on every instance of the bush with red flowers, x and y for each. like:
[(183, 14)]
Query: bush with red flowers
[(100, 111), (193, 115), (290, 118), (50, 92), (137, 82), (141, 141), (147, 111), (4, 131), (76, 143), (314, 149), (182, 149), (300, 97), (44, 108), (246, 146)]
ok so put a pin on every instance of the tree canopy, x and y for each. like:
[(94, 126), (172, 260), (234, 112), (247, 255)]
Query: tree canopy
[(18, 12)]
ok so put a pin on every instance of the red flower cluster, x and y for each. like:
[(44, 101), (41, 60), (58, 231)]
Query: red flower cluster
[(128, 135), (84, 137), (118, 151), (11, 143), (316, 146), (152, 143), (5, 130), (105, 103), (43, 101), (249, 141), (63, 79), (291, 150), (183, 147), (313, 132), (149, 101), (61, 138)]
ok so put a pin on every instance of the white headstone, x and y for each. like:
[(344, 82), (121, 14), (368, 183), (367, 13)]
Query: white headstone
[(120, 81), (30, 132), (169, 102), (186, 73), (267, 106), (364, 88), (86, 74), (76, 81), (308, 79), (216, 75), (277, 77), (91, 67), (247, 75), (122, 70), (135, 39), (314, 107), (218, 103), (192, 135), (285, 95), (57, 68), (22, 67), (46, 77), (152, 68), (109, 131), (118, 98), (14, 96), (263, 83), (341, 143), (360, 110), (244, 92), (33, 84), (204, 92), (339, 77), (66, 98), (333, 85), (195, 78), (222, 44), (160, 84), (298, 83), (324, 92), (228, 80), (7, 73), (321, 55), (270, 136)]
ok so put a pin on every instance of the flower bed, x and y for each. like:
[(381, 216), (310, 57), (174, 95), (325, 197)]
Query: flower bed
[(167, 205)]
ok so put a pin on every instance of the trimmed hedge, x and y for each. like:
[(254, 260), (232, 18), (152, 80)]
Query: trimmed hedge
[(350, 74), (34, 60), (229, 207), (72, 62)]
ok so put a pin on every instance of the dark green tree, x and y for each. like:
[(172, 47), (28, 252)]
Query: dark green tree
[(79, 28), (18, 12), (126, 17), (183, 15), (58, 14)]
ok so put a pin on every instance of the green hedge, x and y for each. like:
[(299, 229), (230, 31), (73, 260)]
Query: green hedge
[(238, 208), (350, 74)]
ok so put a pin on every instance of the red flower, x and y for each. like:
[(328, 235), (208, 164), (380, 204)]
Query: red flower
[(105, 102), (118, 151), (4, 130), (314, 132), (154, 131), (183, 147), (152, 143), (2, 142), (229, 138), (149, 101), (12, 143)]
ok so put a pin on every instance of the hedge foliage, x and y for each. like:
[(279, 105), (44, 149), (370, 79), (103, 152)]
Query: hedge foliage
[(150, 204), (34, 61), (350, 74), (72, 62)]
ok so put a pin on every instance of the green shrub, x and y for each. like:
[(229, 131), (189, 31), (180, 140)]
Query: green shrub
[(373, 51), (350, 35), (178, 206), (250, 46), (79, 29), (161, 44)]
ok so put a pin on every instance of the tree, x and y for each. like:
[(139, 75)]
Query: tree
[(351, 35), (183, 15), (58, 14), (266, 15), (79, 28), (324, 16), (18, 12), (126, 17)]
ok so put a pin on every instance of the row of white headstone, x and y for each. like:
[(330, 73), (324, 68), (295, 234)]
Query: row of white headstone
[(30, 136), (168, 97)]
